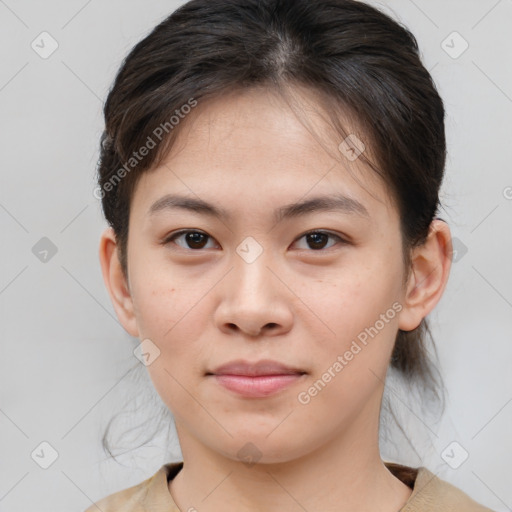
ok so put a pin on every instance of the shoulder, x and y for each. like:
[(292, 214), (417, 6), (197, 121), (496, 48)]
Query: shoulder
[(431, 493), (127, 500), (153, 491)]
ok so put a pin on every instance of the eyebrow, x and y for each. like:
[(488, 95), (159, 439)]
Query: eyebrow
[(331, 203)]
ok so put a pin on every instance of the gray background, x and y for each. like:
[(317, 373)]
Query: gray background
[(65, 357)]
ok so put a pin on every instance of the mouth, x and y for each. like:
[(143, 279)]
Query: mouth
[(256, 380)]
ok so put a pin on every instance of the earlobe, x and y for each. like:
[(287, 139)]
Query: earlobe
[(431, 263), (116, 282)]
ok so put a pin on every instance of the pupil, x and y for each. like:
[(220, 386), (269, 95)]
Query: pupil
[(194, 238), (317, 238)]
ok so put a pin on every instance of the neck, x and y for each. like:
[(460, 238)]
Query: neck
[(345, 473)]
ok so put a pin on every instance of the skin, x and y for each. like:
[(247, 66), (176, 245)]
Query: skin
[(298, 303)]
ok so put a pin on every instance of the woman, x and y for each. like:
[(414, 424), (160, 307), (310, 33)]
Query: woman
[(270, 170)]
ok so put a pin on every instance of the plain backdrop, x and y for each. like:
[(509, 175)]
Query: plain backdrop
[(65, 358)]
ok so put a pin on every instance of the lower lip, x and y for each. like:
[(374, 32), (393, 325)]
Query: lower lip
[(258, 386)]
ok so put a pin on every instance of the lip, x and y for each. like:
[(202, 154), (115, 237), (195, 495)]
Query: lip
[(258, 379), (257, 368)]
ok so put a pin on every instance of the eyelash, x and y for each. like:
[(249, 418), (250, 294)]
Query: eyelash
[(177, 234)]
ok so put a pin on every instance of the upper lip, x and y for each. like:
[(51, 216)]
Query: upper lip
[(252, 369)]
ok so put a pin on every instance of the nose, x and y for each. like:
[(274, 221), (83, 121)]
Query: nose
[(253, 300)]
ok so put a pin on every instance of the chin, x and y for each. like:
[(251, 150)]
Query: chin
[(259, 448)]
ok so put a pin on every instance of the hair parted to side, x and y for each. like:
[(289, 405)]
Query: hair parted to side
[(358, 60)]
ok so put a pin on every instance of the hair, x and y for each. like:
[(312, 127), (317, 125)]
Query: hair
[(359, 61)]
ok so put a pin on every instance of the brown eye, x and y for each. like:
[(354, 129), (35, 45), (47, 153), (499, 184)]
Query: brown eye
[(192, 239), (318, 240)]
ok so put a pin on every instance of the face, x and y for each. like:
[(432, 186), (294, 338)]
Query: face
[(315, 291)]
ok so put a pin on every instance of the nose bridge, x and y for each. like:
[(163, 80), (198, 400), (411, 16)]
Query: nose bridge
[(252, 278), (252, 298)]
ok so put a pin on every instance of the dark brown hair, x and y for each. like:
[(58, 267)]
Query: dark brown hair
[(357, 59)]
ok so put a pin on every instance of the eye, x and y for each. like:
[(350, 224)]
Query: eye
[(196, 240), (192, 239), (317, 240)]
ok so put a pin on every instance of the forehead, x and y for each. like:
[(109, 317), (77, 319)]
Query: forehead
[(253, 147)]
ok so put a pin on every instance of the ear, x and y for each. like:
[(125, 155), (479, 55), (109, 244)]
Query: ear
[(431, 263), (117, 285)]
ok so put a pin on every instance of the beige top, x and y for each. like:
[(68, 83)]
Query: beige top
[(430, 493)]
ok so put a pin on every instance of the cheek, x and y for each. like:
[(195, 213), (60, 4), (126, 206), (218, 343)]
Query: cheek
[(173, 315), (353, 298), (350, 369), (360, 307), (164, 303)]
